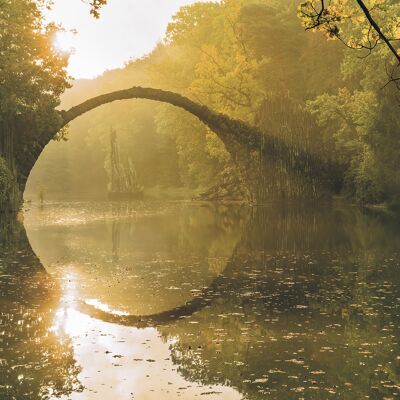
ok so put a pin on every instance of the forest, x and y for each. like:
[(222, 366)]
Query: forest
[(258, 63)]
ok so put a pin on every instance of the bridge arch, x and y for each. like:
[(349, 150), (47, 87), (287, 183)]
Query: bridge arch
[(221, 124), (248, 146), (251, 150), (237, 137)]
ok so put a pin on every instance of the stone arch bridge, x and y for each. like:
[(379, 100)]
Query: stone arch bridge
[(248, 146)]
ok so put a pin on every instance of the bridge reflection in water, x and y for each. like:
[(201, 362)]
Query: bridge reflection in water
[(156, 301)]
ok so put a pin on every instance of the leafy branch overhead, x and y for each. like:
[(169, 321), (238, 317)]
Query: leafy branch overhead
[(357, 26), (95, 7)]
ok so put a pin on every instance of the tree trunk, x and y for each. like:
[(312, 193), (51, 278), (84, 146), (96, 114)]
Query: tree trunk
[(10, 190)]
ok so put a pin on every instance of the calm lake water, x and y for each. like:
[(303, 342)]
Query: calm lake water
[(177, 300)]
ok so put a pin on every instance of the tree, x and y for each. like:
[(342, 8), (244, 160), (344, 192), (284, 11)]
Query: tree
[(358, 26), (32, 78), (362, 116), (32, 74)]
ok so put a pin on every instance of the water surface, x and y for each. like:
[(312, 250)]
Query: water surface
[(177, 300)]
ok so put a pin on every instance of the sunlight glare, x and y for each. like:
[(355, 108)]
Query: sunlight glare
[(64, 42)]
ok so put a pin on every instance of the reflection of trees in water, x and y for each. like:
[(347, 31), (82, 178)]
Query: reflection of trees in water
[(34, 363), (115, 239), (189, 231), (37, 363), (311, 301), (215, 233), (118, 211), (200, 241)]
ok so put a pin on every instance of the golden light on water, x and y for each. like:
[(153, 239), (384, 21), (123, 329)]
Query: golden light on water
[(119, 361)]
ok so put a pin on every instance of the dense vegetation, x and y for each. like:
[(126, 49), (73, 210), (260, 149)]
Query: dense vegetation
[(252, 60), (32, 78), (255, 63)]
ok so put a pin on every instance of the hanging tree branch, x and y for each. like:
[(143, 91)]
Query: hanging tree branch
[(328, 16), (327, 19), (378, 29)]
